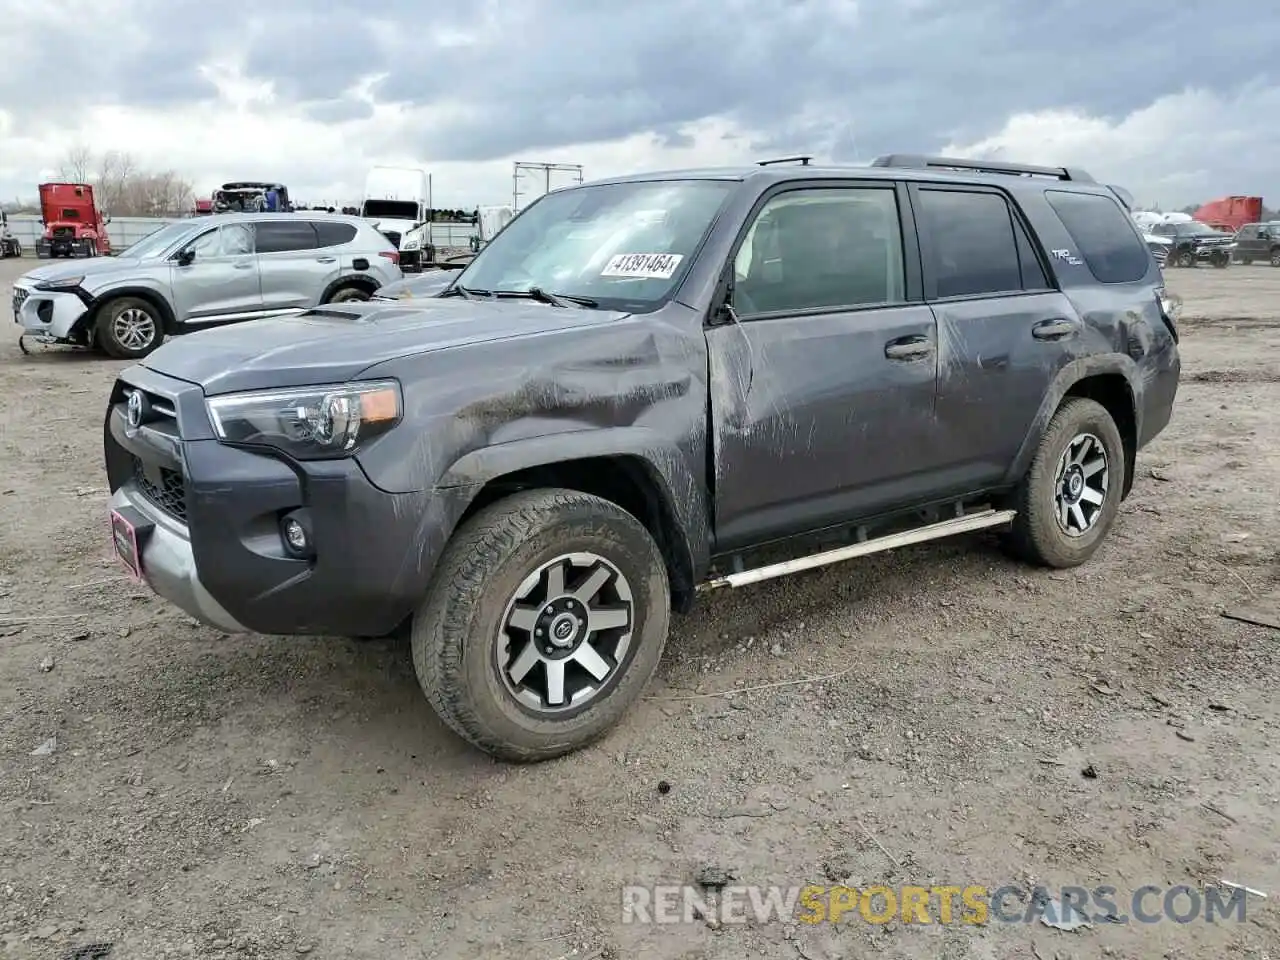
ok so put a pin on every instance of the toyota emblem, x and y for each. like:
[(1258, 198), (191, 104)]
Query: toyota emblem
[(135, 409)]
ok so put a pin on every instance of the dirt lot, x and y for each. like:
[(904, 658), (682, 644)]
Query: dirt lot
[(214, 796)]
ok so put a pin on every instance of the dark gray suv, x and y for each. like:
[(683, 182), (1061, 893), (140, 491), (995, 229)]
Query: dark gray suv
[(638, 384)]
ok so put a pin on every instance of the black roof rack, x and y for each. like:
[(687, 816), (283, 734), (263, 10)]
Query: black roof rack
[(920, 162), (803, 161)]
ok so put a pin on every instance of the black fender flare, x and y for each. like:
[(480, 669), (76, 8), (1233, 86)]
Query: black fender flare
[(1068, 377), (681, 495)]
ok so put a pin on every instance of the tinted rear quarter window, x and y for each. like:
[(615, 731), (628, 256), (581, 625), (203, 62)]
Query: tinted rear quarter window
[(1103, 234), (334, 234), (284, 236)]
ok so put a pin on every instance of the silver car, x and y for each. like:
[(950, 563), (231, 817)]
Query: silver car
[(203, 272)]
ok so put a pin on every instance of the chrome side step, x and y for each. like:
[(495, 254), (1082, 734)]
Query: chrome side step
[(934, 531)]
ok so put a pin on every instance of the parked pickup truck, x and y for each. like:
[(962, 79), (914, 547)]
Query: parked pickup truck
[(638, 384)]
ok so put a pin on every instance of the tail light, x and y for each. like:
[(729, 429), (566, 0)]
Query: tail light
[(392, 255), (1170, 309)]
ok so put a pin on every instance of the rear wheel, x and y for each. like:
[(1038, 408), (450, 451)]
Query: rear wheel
[(1069, 497), (545, 620), (1275, 257), (128, 328)]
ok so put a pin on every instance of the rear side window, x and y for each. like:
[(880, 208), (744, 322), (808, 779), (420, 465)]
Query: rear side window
[(974, 250), (334, 234), (285, 235), (1104, 235)]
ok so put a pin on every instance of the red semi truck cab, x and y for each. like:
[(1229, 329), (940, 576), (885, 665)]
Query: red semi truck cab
[(73, 224), (1229, 214)]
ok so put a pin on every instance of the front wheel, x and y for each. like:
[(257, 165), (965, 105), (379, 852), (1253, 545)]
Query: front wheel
[(128, 328), (1275, 257), (1186, 259), (546, 618), (1069, 497)]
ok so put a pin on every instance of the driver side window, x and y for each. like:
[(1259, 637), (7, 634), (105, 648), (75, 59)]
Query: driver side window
[(822, 249)]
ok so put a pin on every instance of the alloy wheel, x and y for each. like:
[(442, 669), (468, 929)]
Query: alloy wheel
[(565, 633), (1080, 485), (134, 329)]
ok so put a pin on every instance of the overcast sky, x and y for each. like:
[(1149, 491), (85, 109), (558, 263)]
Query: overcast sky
[(1176, 101)]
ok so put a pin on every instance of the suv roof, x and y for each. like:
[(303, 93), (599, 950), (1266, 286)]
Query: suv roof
[(249, 217), (890, 167)]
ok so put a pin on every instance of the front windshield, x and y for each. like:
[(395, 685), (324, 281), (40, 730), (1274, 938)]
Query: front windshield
[(623, 245), (1199, 229), (157, 241), (390, 209)]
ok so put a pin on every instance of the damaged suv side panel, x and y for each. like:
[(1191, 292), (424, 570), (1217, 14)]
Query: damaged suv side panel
[(632, 393)]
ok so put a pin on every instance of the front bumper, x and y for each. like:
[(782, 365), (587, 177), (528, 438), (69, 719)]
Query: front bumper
[(217, 550), (169, 564), (1214, 251), (50, 314), (411, 261)]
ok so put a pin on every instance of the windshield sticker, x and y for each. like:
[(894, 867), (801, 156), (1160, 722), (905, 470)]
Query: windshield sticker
[(646, 266), (650, 216)]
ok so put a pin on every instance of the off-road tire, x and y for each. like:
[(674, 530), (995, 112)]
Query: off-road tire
[(1222, 262), (104, 328), (352, 294), (454, 631), (1186, 259), (1275, 257), (1036, 535)]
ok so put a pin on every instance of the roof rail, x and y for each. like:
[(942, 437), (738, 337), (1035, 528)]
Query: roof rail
[(920, 162), (803, 161)]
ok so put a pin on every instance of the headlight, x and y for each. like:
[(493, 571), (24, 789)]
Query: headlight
[(310, 423), (65, 283), (411, 244)]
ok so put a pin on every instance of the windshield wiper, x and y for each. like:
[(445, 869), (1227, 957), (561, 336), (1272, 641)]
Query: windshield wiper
[(555, 299), (467, 293)]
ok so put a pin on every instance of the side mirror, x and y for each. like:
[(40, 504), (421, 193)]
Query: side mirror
[(184, 258)]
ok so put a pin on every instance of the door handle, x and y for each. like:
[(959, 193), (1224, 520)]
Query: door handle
[(909, 348), (243, 266), (1059, 328), (326, 259)]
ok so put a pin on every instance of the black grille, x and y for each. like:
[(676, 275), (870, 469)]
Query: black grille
[(19, 298), (63, 233), (170, 494)]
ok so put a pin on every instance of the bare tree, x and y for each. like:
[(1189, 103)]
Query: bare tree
[(77, 165), (123, 188)]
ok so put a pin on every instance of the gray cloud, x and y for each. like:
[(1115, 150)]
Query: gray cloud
[(339, 111), (833, 77)]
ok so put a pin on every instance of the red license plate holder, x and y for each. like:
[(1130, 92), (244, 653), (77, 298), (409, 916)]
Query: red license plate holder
[(128, 533)]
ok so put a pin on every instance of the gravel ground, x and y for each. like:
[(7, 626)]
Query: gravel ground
[(235, 797)]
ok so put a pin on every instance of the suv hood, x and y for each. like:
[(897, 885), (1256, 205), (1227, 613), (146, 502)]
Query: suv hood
[(335, 343), (87, 267)]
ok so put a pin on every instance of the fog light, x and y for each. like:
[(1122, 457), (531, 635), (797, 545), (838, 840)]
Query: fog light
[(295, 536)]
